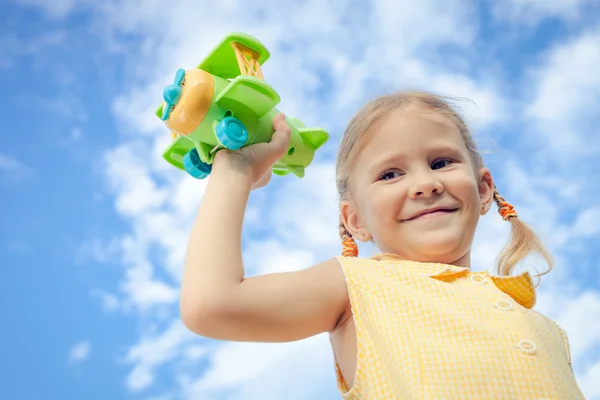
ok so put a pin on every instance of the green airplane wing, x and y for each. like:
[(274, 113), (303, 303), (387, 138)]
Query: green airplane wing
[(222, 60), (254, 93)]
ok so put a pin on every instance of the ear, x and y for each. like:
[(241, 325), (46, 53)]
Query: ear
[(486, 189), (351, 219)]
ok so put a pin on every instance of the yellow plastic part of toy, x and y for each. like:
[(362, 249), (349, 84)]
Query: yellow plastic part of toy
[(247, 60), (196, 98)]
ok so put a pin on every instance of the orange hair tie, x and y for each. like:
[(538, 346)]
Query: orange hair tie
[(350, 249), (507, 210)]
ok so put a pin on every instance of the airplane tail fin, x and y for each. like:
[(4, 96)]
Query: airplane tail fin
[(313, 137), (281, 171), (285, 170), (298, 171)]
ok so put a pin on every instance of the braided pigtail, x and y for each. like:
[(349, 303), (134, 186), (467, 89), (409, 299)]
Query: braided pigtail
[(505, 209), (349, 249), (522, 242)]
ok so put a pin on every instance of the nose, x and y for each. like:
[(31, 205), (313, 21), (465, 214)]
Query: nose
[(424, 186)]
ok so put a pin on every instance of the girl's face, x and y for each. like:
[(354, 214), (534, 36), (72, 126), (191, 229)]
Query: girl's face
[(415, 190)]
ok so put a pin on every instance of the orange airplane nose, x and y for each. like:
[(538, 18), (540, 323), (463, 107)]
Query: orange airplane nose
[(189, 102)]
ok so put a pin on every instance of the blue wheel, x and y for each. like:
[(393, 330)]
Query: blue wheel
[(231, 133), (194, 166)]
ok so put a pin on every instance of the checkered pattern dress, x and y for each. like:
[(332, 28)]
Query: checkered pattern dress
[(430, 331)]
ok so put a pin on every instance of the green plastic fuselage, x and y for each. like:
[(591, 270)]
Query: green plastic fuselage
[(260, 129)]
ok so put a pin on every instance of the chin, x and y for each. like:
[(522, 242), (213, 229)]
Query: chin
[(441, 250)]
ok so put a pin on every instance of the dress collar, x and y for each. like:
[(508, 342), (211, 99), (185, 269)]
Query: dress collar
[(519, 287)]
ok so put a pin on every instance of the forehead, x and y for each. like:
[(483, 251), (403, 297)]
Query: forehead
[(408, 132)]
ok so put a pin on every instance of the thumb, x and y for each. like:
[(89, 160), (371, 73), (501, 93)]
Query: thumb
[(281, 137)]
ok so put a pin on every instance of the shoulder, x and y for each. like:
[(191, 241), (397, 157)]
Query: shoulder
[(330, 277), (344, 261), (330, 269)]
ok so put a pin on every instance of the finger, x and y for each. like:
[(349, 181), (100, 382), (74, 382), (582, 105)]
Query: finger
[(282, 129), (279, 121), (280, 124), (280, 142)]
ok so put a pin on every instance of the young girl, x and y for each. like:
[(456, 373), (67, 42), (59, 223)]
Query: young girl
[(413, 322)]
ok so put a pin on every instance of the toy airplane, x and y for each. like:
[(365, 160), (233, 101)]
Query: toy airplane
[(225, 103)]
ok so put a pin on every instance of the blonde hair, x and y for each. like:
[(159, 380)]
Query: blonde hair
[(523, 240)]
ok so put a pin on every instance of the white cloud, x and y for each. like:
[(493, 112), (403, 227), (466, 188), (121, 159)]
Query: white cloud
[(195, 352), (147, 293), (589, 382), (109, 301), (130, 177), (306, 212), (583, 330), (80, 352), (447, 22), (573, 311), (98, 251), (588, 222), (566, 88), (151, 352), (236, 368), (268, 256), (160, 215), (143, 290)]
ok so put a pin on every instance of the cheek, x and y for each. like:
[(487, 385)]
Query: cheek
[(465, 188), (385, 204)]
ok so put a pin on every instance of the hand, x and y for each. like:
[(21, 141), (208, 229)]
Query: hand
[(258, 159)]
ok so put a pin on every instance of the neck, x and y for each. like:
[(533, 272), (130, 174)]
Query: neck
[(464, 261)]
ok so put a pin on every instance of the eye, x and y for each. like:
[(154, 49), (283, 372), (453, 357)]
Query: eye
[(391, 174), (441, 163)]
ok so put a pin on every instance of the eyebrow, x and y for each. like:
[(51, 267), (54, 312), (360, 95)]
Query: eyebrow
[(445, 149)]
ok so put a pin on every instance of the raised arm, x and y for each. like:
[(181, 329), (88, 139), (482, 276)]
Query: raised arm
[(216, 299)]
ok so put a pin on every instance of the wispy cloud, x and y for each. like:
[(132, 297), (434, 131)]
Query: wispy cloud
[(533, 11), (12, 169), (80, 352), (566, 90), (14, 47), (153, 351), (109, 301), (65, 105), (58, 9), (9, 163)]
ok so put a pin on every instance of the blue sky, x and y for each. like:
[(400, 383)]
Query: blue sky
[(95, 223)]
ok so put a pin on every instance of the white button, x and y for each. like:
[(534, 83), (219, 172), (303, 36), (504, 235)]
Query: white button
[(478, 278), (527, 346), (503, 305)]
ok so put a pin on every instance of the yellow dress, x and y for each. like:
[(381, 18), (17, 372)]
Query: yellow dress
[(430, 331)]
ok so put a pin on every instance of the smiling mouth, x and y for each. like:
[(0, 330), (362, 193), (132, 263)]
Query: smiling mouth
[(432, 214)]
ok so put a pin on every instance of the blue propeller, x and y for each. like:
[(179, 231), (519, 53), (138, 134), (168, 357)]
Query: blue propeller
[(172, 93)]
